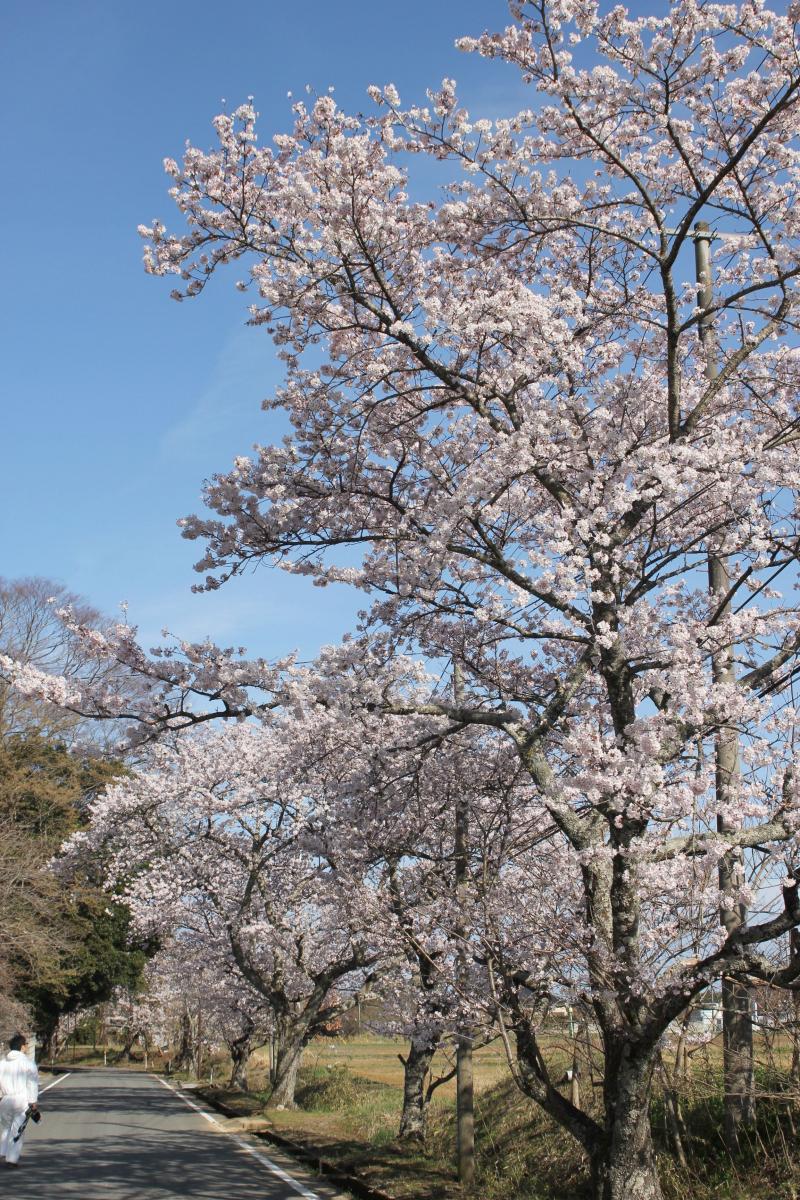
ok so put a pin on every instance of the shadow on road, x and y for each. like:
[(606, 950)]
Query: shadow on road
[(140, 1144)]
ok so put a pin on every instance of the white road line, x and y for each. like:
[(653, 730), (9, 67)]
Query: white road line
[(55, 1081), (243, 1145)]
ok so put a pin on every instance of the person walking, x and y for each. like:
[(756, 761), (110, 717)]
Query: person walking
[(19, 1091)]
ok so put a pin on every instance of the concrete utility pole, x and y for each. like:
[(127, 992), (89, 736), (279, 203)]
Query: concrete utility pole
[(199, 1043), (465, 1110), (737, 1022)]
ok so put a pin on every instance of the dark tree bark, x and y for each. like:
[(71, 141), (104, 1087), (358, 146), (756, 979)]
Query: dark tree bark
[(124, 1054), (620, 1150), (183, 1054), (240, 1050), (288, 1052), (416, 1067), (623, 1163), (46, 1035), (794, 1072)]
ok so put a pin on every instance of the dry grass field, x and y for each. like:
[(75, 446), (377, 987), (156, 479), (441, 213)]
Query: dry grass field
[(349, 1103), (378, 1059)]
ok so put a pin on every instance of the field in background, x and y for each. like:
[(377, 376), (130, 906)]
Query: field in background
[(378, 1059)]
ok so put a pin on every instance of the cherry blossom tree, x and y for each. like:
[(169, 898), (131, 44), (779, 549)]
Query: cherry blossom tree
[(434, 819), (194, 985), (502, 400), (211, 840), (34, 638)]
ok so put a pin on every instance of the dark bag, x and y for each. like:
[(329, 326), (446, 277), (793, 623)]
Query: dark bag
[(31, 1114)]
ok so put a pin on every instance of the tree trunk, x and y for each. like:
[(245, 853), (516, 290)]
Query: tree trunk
[(672, 1115), (624, 1162), (46, 1034), (241, 1049), (416, 1066), (273, 1058), (288, 1052), (794, 1074), (620, 1150), (124, 1055), (183, 1055)]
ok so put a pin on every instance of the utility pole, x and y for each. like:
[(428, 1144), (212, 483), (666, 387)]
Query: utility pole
[(465, 1109), (737, 1023), (199, 1054)]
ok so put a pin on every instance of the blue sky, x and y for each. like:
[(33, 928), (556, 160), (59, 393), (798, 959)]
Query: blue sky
[(117, 402)]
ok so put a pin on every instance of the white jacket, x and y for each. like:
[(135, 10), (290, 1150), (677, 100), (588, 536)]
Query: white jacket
[(19, 1077)]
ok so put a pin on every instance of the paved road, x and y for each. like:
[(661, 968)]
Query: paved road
[(119, 1135)]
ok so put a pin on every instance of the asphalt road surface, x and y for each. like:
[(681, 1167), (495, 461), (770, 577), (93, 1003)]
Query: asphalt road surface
[(119, 1135)]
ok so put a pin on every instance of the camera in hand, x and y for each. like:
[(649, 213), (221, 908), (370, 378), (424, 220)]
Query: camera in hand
[(34, 1114)]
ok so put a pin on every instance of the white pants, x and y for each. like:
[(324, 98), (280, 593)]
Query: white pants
[(12, 1114)]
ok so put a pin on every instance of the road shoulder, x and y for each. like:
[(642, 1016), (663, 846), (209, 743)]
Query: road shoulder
[(302, 1177)]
